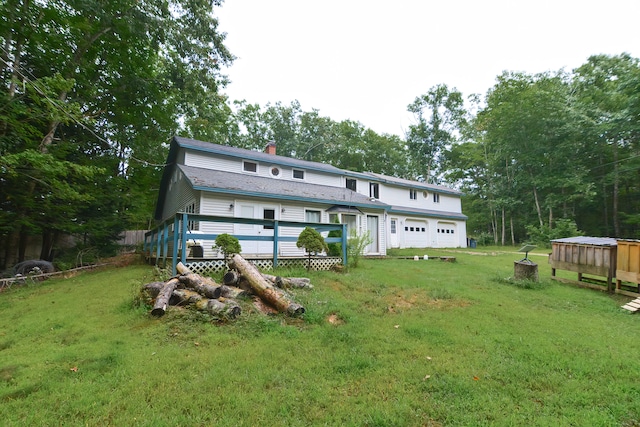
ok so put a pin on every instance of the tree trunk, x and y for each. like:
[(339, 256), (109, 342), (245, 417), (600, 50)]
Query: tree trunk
[(513, 237), (202, 285), (535, 197), (523, 270), (232, 292), (263, 288), (228, 309), (162, 300), (504, 227), (289, 282)]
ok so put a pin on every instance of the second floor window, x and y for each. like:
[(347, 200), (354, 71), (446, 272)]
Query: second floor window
[(413, 194), (298, 174), (436, 198), (250, 166), (374, 190), (351, 184)]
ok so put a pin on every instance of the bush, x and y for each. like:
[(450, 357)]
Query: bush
[(312, 242), (335, 249), (227, 244), (355, 246)]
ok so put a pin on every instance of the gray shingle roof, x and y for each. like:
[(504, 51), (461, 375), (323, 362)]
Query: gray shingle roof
[(253, 155), (257, 186)]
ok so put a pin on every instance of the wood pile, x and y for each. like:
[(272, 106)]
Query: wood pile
[(243, 280)]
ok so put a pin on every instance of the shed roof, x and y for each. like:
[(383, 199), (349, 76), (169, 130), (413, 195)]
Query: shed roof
[(585, 240)]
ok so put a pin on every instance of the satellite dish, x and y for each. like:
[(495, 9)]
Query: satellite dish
[(526, 249)]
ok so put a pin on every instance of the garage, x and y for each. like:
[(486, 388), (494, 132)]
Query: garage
[(446, 235), (415, 234)]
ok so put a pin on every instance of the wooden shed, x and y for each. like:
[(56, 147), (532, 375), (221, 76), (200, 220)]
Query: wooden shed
[(595, 256), (628, 268)]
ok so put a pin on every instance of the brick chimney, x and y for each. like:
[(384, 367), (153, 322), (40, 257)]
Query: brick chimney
[(270, 148)]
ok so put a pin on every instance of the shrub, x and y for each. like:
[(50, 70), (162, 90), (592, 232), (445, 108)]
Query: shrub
[(227, 244), (335, 249), (312, 242), (356, 243)]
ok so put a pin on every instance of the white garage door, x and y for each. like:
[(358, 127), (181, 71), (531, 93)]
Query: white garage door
[(446, 235), (415, 234)]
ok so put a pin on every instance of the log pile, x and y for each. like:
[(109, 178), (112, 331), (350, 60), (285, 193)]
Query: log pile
[(243, 280)]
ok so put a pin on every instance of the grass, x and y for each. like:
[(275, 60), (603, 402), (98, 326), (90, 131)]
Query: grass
[(395, 342)]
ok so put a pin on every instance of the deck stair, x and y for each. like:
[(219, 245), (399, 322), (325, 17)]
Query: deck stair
[(632, 306)]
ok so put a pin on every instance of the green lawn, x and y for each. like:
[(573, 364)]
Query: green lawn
[(395, 342)]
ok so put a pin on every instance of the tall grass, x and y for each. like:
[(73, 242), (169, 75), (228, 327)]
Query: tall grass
[(395, 342)]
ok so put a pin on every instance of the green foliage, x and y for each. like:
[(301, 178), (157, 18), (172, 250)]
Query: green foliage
[(356, 244), (542, 236), (312, 242), (227, 244), (335, 249)]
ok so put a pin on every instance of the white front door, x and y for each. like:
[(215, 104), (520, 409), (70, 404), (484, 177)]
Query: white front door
[(394, 232), (247, 246), (266, 212)]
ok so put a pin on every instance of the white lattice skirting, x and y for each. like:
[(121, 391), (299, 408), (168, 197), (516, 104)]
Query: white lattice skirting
[(219, 266)]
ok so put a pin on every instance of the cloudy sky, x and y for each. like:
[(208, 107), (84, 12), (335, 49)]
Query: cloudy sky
[(366, 60)]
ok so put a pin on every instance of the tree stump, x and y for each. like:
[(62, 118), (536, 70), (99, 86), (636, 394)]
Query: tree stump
[(525, 270)]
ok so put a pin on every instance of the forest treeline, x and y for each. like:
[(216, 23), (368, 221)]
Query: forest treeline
[(93, 91)]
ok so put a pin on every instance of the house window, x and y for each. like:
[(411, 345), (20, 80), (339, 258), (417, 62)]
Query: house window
[(268, 214), (406, 229), (436, 198), (393, 226), (374, 190), (312, 216), (275, 171), (351, 184), (298, 174), (413, 194), (250, 166), (423, 229), (411, 228), (191, 209)]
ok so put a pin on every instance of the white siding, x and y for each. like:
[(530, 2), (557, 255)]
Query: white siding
[(400, 196)]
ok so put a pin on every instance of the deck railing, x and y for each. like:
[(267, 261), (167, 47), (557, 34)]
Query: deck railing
[(175, 230)]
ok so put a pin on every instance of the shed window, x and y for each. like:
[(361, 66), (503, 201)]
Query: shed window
[(250, 166)]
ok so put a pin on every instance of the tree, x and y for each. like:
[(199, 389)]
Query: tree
[(438, 115), (312, 242), (228, 245), (97, 88)]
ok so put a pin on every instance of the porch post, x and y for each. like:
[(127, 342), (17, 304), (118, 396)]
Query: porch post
[(183, 237), (344, 244), (174, 260), (275, 244)]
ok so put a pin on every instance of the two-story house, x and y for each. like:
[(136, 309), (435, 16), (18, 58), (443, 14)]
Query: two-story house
[(205, 178)]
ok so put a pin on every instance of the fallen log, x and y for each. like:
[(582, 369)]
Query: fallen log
[(233, 278), (263, 288), (162, 300), (228, 308), (289, 282), (151, 290), (232, 292), (200, 284)]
